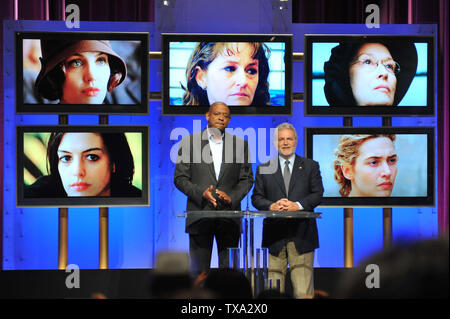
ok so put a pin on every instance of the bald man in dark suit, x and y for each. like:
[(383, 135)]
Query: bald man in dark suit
[(213, 169), (295, 185)]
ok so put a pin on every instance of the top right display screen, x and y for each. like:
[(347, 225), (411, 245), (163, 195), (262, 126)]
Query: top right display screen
[(369, 75)]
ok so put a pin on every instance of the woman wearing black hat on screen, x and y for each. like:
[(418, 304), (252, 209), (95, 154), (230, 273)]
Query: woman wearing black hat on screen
[(369, 73), (79, 72)]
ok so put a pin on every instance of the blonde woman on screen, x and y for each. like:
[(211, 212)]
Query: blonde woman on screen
[(366, 165)]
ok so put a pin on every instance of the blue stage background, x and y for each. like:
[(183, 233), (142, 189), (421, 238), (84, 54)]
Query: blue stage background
[(137, 234)]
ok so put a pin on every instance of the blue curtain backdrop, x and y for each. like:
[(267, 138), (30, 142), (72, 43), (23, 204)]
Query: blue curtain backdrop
[(137, 234)]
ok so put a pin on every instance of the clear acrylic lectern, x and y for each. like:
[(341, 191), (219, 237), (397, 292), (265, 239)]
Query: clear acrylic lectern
[(254, 262)]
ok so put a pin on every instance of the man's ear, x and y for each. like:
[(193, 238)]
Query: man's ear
[(347, 171), (200, 77)]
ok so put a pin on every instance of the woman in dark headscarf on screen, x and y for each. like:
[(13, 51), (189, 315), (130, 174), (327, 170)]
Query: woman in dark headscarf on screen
[(79, 72), (370, 73)]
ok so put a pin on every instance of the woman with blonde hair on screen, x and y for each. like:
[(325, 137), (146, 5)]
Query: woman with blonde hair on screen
[(366, 165)]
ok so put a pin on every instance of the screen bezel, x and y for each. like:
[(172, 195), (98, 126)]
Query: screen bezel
[(82, 201), (103, 109), (168, 109), (400, 201), (310, 110)]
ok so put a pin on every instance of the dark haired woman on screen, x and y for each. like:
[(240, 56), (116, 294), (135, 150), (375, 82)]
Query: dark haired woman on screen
[(369, 73), (366, 165), (79, 72), (87, 164), (233, 73)]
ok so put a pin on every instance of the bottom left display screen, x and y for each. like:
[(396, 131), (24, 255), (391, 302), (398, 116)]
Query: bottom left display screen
[(81, 165)]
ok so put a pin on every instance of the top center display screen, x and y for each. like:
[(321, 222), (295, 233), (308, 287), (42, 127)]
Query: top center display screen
[(249, 73)]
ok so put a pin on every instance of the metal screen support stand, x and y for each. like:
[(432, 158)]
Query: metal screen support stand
[(63, 221), (348, 237), (387, 211), (348, 222), (103, 237), (63, 224), (387, 227), (103, 222)]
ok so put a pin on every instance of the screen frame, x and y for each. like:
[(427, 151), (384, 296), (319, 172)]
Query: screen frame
[(101, 109), (310, 110), (21, 201), (400, 201), (168, 109)]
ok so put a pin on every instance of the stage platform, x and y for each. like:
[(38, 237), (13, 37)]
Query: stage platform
[(112, 283)]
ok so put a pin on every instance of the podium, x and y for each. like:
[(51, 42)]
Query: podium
[(256, 275)]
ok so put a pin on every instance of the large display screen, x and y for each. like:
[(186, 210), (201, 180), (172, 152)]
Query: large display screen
[(369, 75), (250, 73), (374, 166), (81, 72), (82, 165)]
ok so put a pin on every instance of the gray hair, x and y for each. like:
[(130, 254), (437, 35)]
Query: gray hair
[(284, 126)]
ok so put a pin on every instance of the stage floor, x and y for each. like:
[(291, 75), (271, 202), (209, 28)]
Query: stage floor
[(112, 283)]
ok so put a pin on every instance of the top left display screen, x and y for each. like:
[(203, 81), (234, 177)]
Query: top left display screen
[(81, 72)]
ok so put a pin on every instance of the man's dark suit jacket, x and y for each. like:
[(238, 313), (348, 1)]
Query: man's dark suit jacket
[(305, 187), (194, 172)]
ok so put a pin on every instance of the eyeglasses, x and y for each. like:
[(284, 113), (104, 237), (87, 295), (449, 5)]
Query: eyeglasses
[(371, 64)]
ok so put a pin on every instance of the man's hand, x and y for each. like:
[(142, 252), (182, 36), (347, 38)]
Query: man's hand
[(223, 196), (277, 206), (284, 205), (207, 194), (290, 206)]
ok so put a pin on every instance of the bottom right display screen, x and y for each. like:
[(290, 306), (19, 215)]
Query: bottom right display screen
[(374, 166)]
